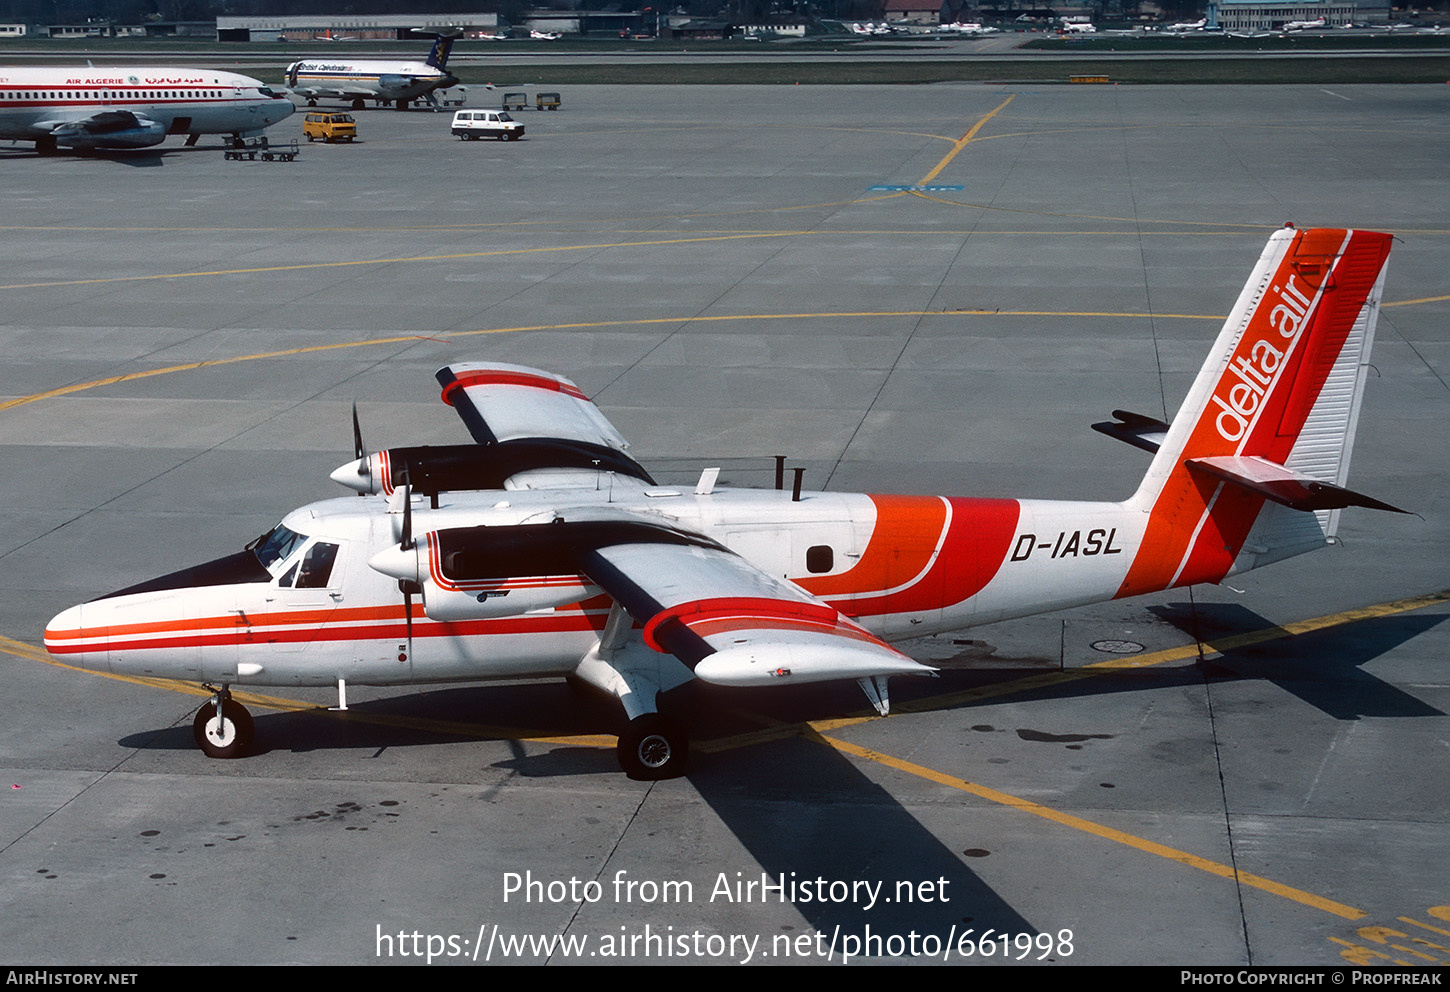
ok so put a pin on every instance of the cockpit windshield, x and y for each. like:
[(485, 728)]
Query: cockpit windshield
[(276, 545)]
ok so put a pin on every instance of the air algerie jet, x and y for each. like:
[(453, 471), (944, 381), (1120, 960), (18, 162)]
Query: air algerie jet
[(131, 106), (374, 79), (545, 550)]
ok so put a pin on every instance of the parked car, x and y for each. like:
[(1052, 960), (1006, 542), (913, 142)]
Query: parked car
[(470, 125)]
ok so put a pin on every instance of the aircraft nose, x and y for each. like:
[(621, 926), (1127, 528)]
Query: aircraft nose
[(66, 636)]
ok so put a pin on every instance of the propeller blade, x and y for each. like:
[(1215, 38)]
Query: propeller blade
[(406, 540), (364, 470), (407, 587)]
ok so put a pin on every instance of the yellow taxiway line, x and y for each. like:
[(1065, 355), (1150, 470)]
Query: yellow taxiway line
[(580, 325), (964, 140)]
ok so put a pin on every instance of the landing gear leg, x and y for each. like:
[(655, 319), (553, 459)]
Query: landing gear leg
[(652, 746), (191, 139), (228, 735)]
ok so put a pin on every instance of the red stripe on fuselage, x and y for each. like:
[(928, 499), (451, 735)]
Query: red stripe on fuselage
[(187, 637)]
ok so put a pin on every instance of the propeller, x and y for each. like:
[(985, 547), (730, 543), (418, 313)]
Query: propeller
[(364, 470), (408, 587), (401, 561)]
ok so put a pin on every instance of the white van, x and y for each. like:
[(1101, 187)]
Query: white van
[(474, 124)]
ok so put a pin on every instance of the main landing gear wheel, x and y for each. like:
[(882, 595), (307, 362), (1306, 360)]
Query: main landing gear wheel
[(653, 747), (227, 737)]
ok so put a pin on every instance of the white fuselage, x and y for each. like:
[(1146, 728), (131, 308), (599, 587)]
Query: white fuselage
[(182, 101), (901, 566), (387, 80)]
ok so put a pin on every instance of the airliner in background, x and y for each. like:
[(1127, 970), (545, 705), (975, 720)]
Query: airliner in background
[(385, 80), (131, 106)]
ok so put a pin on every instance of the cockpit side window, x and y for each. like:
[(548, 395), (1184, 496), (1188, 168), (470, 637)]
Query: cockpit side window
[(317, 566)]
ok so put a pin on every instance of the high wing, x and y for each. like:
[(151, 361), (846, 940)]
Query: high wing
[(732, 623), (107, 129), (723, 618), (506, 402), (533, 430)]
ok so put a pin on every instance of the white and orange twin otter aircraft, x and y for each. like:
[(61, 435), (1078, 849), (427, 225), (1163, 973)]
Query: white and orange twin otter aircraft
[(545, 550)]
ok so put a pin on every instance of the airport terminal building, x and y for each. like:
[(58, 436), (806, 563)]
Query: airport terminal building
[(336, 27), (1272, 15)]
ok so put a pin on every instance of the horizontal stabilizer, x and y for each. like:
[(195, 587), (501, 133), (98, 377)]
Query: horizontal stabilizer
[(1139, 431), (1279, 484)]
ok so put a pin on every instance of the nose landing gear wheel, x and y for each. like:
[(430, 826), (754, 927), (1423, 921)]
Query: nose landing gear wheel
[(652, 748), (229, 736)]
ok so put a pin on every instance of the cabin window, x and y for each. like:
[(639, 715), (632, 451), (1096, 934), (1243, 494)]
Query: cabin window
[(820, 558)]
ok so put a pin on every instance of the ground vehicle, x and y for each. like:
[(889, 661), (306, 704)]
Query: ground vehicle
[(329, 126), (547, 101), (251, 149), (470, 125)]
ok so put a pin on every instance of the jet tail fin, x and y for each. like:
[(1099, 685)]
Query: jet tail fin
[(1270, 417), (442, 48)]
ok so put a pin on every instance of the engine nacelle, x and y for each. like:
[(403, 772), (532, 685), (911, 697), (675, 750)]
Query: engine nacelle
[(510, 598), (485, 573), (121, 130), (392, 83)]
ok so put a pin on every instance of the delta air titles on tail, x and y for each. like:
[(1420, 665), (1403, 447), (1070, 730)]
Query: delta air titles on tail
[(545, 550)]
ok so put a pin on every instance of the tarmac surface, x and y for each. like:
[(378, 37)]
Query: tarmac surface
[(181, 340)]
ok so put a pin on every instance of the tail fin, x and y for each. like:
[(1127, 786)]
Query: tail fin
[(442, 48), (1271, 417)]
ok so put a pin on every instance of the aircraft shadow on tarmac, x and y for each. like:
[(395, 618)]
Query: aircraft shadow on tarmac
[(812, 816), (1322, 668), (137, 158)]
